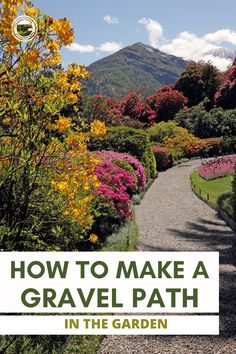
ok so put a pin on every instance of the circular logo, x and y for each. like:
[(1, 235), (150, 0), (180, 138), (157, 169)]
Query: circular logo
[(24, 28)]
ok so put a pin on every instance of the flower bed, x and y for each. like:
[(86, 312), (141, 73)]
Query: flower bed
[(219, 167)]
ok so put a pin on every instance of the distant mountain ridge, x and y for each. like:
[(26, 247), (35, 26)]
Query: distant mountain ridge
[(223, 53), (138, 67)]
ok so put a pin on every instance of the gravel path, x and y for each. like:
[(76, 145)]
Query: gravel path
[(172, 218)]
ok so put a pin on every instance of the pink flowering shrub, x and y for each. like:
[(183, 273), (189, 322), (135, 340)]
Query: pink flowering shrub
[(137, 166), (219, 167), (115, 183)]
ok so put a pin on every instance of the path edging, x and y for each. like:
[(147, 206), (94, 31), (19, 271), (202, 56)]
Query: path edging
[(227, 219)]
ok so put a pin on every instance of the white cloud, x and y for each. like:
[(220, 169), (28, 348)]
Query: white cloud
[(107, 47), (220, 63), (223, 35), (110, 47), (76, 47), (111, 20), (188, 45), (155, 30)]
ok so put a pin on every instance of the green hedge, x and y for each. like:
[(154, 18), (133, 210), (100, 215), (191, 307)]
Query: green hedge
[(128, 140)]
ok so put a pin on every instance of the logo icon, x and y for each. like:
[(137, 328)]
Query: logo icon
[(24, 28)]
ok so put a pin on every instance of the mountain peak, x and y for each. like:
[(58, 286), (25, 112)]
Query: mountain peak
[(223, 53), (138, 67)]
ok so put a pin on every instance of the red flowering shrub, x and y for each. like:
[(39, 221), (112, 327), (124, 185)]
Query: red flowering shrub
[(225, 97), (166, 102), (106, 109), (133, 107), (163, 157), (115, 183)]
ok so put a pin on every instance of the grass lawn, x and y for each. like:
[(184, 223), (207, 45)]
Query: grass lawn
[(211, 190)]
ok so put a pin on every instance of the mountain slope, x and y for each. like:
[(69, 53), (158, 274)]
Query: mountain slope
[(138, 68)]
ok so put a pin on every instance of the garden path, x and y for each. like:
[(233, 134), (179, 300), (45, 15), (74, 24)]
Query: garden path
[(172, 218)]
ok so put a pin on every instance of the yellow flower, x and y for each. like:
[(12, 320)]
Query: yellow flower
[(72, 98), (10, 48), (62, 81), (32, 12), (50, 98), (6, 121), (63, 30), (98, 128), (63, 124), (78, 71), (53, 46), (52, 61), (62, 186), (93, 238), (31, 58)]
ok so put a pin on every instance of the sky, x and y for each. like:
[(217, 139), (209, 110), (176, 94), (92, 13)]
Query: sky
[(185, 28)]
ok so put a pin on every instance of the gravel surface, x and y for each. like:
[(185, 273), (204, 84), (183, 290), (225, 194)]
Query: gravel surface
[(172, 218)]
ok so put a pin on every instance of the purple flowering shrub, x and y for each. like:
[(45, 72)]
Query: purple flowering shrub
[(137, 166), (219, 167), (115, 183)]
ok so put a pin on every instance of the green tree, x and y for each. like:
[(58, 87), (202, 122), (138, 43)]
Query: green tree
[(199, 81)]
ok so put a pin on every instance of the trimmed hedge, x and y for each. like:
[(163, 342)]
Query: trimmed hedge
[(128, 140)]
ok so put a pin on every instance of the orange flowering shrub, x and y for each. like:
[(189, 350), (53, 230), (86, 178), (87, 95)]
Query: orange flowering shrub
[(47, 179), (181, 142)]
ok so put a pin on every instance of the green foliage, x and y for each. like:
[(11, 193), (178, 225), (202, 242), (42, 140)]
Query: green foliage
[(226, 203), (198, 81), (31, 344), (203, 124), (228, 145), (159, 131), (33, 224), (83, 344), (129, 140), (126, 239)]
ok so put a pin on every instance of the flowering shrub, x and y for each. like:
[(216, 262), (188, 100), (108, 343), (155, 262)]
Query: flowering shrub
[(161, 106), (163, 157), (46, 172), (115, 182), (137, 166), (182, 143), (218, 167), (133, 107), (106, 109), (225, 96), (166, 103), (131, 141), (161, 130)]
